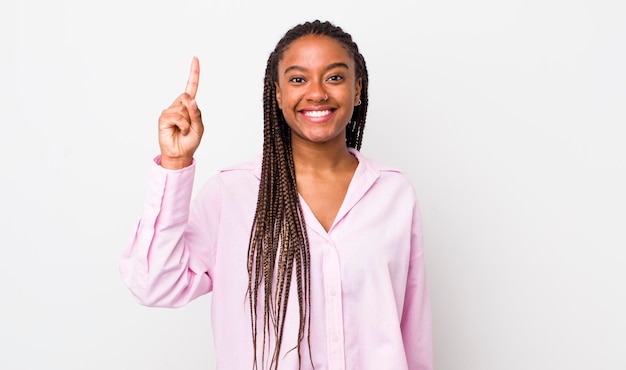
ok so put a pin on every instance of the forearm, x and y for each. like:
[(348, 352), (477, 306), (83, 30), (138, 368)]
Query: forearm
[(155, 264)]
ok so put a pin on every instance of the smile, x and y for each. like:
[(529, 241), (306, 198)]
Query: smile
[(316, 113)]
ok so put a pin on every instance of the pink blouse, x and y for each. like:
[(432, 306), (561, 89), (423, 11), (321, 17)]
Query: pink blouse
[(370, 307)]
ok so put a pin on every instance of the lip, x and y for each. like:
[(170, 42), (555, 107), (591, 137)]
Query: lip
[(317, 115)]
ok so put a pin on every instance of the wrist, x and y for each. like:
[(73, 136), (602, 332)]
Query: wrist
[(175, 163)]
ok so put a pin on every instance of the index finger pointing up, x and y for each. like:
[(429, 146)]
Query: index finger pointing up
[(194, 78)]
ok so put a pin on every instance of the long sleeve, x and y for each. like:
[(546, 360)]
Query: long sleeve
[(416, 318), (369, 302), (166, 262)]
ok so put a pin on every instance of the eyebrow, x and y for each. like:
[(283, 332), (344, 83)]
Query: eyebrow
[(328, 67)]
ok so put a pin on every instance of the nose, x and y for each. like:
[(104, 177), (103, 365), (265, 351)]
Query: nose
[(317, 92)]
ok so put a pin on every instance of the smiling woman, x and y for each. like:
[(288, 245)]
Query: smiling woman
[(317, 90), (313, 252)]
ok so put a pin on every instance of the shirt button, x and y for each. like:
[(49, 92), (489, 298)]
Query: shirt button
[(335, 338)]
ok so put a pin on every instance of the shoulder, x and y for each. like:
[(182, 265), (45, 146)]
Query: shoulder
[(374, 163), (251, 167), (387, 174), (237, 179), (391, 184), (249, 170)]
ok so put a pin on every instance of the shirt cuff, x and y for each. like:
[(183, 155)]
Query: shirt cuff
[(169, 192)]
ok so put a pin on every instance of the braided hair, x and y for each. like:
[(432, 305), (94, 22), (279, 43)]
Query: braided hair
[(278, 239)]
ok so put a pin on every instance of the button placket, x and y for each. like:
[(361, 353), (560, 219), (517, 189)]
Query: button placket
[(334, 309)]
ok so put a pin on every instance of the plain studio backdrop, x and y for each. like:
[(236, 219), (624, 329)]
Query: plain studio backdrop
[(508, 116)]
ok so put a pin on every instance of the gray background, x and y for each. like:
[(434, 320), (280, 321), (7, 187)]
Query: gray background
[(508, 117)]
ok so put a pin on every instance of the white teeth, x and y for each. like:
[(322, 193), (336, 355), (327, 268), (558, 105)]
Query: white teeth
[(316, 113)]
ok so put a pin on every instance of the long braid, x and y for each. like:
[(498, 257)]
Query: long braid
[(278, 239)]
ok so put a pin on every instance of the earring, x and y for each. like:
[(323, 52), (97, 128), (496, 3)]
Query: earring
[(359, 103)]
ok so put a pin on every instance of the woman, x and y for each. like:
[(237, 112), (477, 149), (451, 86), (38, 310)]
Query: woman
[(312, 250)]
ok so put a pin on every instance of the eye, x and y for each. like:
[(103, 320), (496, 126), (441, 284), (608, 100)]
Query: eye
[(296, 80), (335, 78)]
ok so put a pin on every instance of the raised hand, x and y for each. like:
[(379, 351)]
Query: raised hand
[(180, 125)]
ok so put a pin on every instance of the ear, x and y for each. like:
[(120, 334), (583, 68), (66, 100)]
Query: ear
[(279, 98), (357, 91)]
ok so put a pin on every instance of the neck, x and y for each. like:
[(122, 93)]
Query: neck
[(314, 157)]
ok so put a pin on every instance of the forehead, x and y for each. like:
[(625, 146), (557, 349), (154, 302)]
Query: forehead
[(315, 50)]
